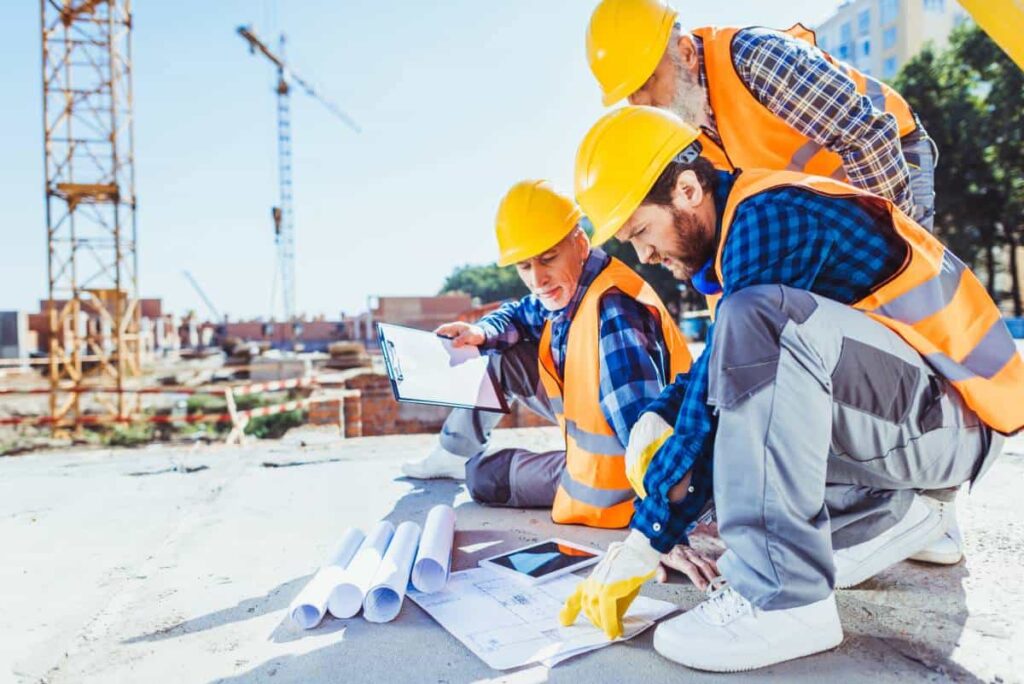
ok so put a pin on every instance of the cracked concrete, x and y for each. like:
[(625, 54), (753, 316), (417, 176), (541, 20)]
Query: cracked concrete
[(186, 576)]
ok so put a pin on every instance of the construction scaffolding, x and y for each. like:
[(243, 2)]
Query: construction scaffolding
[(90, 204)]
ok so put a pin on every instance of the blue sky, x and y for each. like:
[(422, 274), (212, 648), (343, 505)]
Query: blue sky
[(457, 101)]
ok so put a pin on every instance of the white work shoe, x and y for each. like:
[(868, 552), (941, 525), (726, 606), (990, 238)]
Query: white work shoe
[(949, 548), (726, 633), (439, 463), (919, 528)]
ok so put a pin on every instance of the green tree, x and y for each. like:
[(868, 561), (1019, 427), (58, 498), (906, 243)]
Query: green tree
[(489, 282), (970, 99), (1003, 87)]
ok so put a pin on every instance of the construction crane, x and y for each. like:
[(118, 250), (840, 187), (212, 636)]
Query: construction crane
[(217, 318), (284, 227)]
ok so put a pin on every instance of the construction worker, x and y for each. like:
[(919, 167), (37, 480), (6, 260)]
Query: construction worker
[(766, 99), (588, 348), (853, 362)]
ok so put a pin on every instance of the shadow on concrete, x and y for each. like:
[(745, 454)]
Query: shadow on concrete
[(916, 612), (904, 624), (277, 598)]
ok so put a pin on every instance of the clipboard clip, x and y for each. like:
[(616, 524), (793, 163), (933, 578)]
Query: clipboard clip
[(396, 366)]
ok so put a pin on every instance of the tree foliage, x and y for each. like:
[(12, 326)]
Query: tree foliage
[(970, 99), (489, 282)]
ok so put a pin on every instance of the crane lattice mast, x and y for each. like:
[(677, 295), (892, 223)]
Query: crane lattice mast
[(284, 223)]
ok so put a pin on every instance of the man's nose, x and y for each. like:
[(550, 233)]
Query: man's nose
[(649, 255), (541, 276)]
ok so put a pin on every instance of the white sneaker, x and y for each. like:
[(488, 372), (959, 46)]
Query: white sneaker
[(919, 528), (726, 633), (949, 548), (439, 463)]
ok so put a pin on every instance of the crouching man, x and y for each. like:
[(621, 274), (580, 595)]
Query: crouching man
[(855, 365), (588, 348)]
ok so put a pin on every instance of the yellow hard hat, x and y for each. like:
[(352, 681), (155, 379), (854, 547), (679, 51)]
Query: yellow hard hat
[(620, 159), (625, 41), (532, 218)]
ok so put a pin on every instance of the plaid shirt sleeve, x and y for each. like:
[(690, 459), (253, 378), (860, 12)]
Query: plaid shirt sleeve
[(633, 360), (788, 236), (670, 401), (795, 81), (513, 321)]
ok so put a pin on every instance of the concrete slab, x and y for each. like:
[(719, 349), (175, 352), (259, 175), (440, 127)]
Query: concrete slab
[(177, 565)]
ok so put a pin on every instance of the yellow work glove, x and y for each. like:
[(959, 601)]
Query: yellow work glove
[(646, 437), (606, 595)]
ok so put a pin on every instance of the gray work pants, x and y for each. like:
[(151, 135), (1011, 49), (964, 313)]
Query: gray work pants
[(921, 159), (828, 424), (508, 477)]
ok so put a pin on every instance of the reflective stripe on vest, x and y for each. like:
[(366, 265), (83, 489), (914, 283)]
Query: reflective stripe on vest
[(934, 302), (754, 137), (593, 489)]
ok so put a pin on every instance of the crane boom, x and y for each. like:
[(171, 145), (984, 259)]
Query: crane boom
[(256, 44), (202, 295), (284, 229)]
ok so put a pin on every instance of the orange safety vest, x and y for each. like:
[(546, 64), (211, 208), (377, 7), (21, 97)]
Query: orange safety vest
[(934, 302), (753, 136), (593, 489)]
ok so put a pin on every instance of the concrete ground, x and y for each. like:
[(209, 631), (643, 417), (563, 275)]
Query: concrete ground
[(177, 565)]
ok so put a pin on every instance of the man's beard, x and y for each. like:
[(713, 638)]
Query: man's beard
[(689, 102), (694, 246)]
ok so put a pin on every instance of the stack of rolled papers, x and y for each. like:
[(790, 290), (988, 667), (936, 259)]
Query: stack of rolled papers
[(307, 610), (372, 572)]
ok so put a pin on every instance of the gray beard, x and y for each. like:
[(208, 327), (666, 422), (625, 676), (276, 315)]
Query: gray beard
[(690, 101)]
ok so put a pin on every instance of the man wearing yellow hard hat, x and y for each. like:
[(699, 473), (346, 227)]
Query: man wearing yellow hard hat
[(765, 99), (588, 348), (855, 372)]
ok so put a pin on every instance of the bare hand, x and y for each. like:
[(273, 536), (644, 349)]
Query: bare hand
[(698, 567), (462, 334)]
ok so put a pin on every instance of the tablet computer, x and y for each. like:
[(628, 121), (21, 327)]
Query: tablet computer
[(542, 561)]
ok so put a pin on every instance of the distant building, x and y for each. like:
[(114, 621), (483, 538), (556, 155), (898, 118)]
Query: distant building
[(420, 312), (879, 36)]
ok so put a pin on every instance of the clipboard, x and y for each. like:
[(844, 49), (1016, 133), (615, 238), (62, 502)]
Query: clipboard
[(424, 368)]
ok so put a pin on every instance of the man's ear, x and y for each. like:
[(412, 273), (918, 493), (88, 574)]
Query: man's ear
[(688, 193), (687, 51), (582, 243)]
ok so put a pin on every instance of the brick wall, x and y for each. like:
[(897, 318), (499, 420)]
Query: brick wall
[(371, 410)]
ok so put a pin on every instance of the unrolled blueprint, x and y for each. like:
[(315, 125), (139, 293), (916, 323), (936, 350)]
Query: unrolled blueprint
[(508, 624)]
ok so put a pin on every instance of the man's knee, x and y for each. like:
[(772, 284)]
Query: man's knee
[(487, 479), (745, 343), (516, 368)]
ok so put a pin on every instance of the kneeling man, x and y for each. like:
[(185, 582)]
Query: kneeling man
[(855, 364), (589, 348)]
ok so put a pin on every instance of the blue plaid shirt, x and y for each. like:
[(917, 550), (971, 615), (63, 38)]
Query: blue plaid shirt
[(795, 81), (634, 360), (835, 247)]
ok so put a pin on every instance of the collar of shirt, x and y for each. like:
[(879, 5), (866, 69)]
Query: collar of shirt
[(705, 280), (594, 264)]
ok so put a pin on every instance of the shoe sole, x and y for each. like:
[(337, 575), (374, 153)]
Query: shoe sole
[(739, 665), (902, 548), (937, 558)]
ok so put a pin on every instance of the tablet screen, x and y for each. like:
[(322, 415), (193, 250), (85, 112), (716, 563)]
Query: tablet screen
[(542, 559)]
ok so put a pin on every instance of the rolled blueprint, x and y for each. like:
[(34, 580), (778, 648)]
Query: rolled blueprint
[(433, 560), (307, 610), (384, 599), (347, 596)]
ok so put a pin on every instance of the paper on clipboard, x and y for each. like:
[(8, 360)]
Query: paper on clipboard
[(426, 368)]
